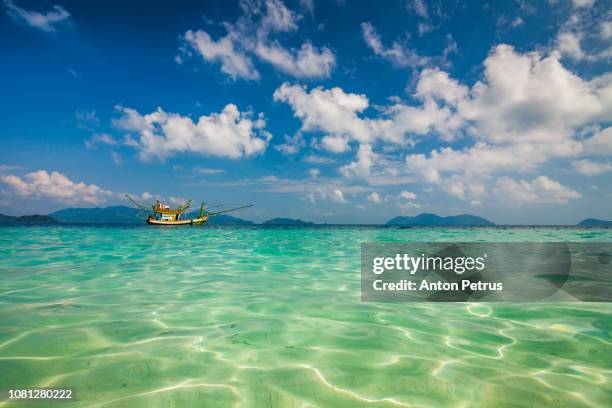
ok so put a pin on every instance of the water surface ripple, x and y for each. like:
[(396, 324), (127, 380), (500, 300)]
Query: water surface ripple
[(256, 317)]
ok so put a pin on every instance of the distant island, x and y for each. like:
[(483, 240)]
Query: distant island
[(287, 221), (27, 220), (121, 214), (594, 222), (433, 220)]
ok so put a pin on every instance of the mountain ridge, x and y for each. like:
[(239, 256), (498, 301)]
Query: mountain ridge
[(35, 219), (434, 220), (594, 222)]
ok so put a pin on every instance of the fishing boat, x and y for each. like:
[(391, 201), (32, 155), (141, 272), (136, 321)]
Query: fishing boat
[(162, 214)]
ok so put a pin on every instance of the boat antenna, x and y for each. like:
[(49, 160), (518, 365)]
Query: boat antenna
[(231, 209)]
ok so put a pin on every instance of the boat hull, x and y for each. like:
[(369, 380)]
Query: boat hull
[(191, 221)]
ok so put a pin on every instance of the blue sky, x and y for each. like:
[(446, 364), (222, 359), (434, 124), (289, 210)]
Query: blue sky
[(342, 111)]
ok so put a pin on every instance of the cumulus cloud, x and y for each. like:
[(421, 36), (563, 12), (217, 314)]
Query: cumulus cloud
[(539, 190), (55, 186), (524, 113), (339, 114), (251, 36), (43, 21), (306, 62), (527, 110), (335, 143), (333, 111), (437, 84), (590, 167), (362, 166), (234, 61), (230, 133), (569, 44)]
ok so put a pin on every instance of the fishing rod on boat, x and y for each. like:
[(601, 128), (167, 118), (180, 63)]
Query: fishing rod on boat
[(231, 209), (144, 208)]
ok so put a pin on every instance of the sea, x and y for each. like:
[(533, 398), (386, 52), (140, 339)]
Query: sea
[(137, 316)]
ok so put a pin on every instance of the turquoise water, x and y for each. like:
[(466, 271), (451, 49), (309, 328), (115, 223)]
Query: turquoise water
[(216, 317)]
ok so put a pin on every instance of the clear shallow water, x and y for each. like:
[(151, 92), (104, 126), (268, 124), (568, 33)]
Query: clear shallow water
[(207, 317)]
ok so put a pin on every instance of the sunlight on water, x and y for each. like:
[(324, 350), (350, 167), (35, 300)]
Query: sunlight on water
[(216, 317)]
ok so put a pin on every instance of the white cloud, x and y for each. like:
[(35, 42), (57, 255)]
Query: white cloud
[(374, 168), (293, 144), (55, 186), (526, 111), (578, 31), (332, 111), (583, 3), (234, 62), (517, 22), (528, 97), (398, 54), (408, 207), (408, 195), (98, 139), (314, 173), (337, 113), (338, 196), (599, 144), (569, 44), (437, 84), (419, 7), (43, 21), (335, 144), (362, 166), (539, 190), (314, 159), (230, 133), (591, 168), (207, 170), (87, 120), (374, 197), (406, 201), (307, 62), (605, 31), (250, 36)]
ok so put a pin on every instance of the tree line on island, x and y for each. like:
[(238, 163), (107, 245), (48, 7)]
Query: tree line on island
[(127, 215)]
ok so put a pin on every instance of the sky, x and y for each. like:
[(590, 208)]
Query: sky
[(329, 111)]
